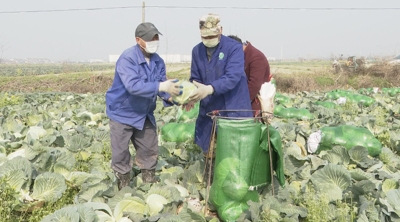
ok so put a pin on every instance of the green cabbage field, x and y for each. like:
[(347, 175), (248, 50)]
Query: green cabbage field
[(55, 160)]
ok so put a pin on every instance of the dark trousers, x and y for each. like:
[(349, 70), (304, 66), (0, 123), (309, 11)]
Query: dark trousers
[(145, 142)]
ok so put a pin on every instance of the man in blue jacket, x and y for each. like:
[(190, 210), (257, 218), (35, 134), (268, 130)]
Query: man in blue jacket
[(139, 78), (218, 72)]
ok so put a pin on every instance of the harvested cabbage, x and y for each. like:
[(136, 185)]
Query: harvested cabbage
[(187, 91)]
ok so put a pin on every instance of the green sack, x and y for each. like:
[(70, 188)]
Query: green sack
[(349, 136), (337, 93), (238, 152), (330, 105), (391, 91), (282, 99), (185, 116), (365, 100), (178, 132), (261, 174), (365, 90), (288, 113)]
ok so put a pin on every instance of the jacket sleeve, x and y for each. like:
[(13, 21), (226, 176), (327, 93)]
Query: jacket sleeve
[(233, 72), (194, 69), (163, 95), (128, 71), (258, 67)]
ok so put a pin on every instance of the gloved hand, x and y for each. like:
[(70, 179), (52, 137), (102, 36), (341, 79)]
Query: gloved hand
[(201, 92), (173, 102), (188, 106), (171, 86)]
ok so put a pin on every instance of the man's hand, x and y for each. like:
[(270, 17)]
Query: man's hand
[(171, 86), (172, 101), (188, 106), (201, 92)]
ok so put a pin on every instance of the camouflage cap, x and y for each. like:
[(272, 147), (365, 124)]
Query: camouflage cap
[(209, 25)]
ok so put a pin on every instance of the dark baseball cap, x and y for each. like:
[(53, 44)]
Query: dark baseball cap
[(146, 31)]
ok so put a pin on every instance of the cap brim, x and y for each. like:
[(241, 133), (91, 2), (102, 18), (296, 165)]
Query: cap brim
[(206, 33), (150, 35)]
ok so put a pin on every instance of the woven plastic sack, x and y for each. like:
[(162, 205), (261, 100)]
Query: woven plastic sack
[(391, 91), (261, 173), (187, 91), (347, 136), (365, 100), (178, 132), (288, 113), (282, 99), (368, 90), (337, 93), (238, 143), (184, 115)]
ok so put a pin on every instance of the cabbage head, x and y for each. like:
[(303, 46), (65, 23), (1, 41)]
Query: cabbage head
[(187, 91)]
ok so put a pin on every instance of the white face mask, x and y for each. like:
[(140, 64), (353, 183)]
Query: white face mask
[(151, 47), (210, 42)]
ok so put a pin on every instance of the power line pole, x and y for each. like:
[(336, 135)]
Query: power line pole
[(143, 6)]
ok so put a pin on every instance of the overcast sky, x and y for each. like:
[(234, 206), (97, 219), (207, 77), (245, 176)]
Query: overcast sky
[(82, 35)]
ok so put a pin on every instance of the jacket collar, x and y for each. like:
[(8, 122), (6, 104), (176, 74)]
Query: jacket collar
[(218, 49), (248, 49)]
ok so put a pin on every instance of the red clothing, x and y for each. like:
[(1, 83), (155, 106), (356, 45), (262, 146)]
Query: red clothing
[(257, 71)]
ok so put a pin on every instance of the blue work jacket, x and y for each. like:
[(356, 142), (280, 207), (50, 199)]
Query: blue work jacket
[(133, 95), (225, 73)]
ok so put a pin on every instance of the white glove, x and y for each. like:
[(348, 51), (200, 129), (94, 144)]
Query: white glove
[(171, 86), (201, 92)]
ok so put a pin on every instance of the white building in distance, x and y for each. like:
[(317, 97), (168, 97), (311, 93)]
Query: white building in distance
[(113, 58), (176, 58)]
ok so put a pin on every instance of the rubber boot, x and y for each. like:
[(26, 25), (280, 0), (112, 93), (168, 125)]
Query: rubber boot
[(123, 179), (149, 176)]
